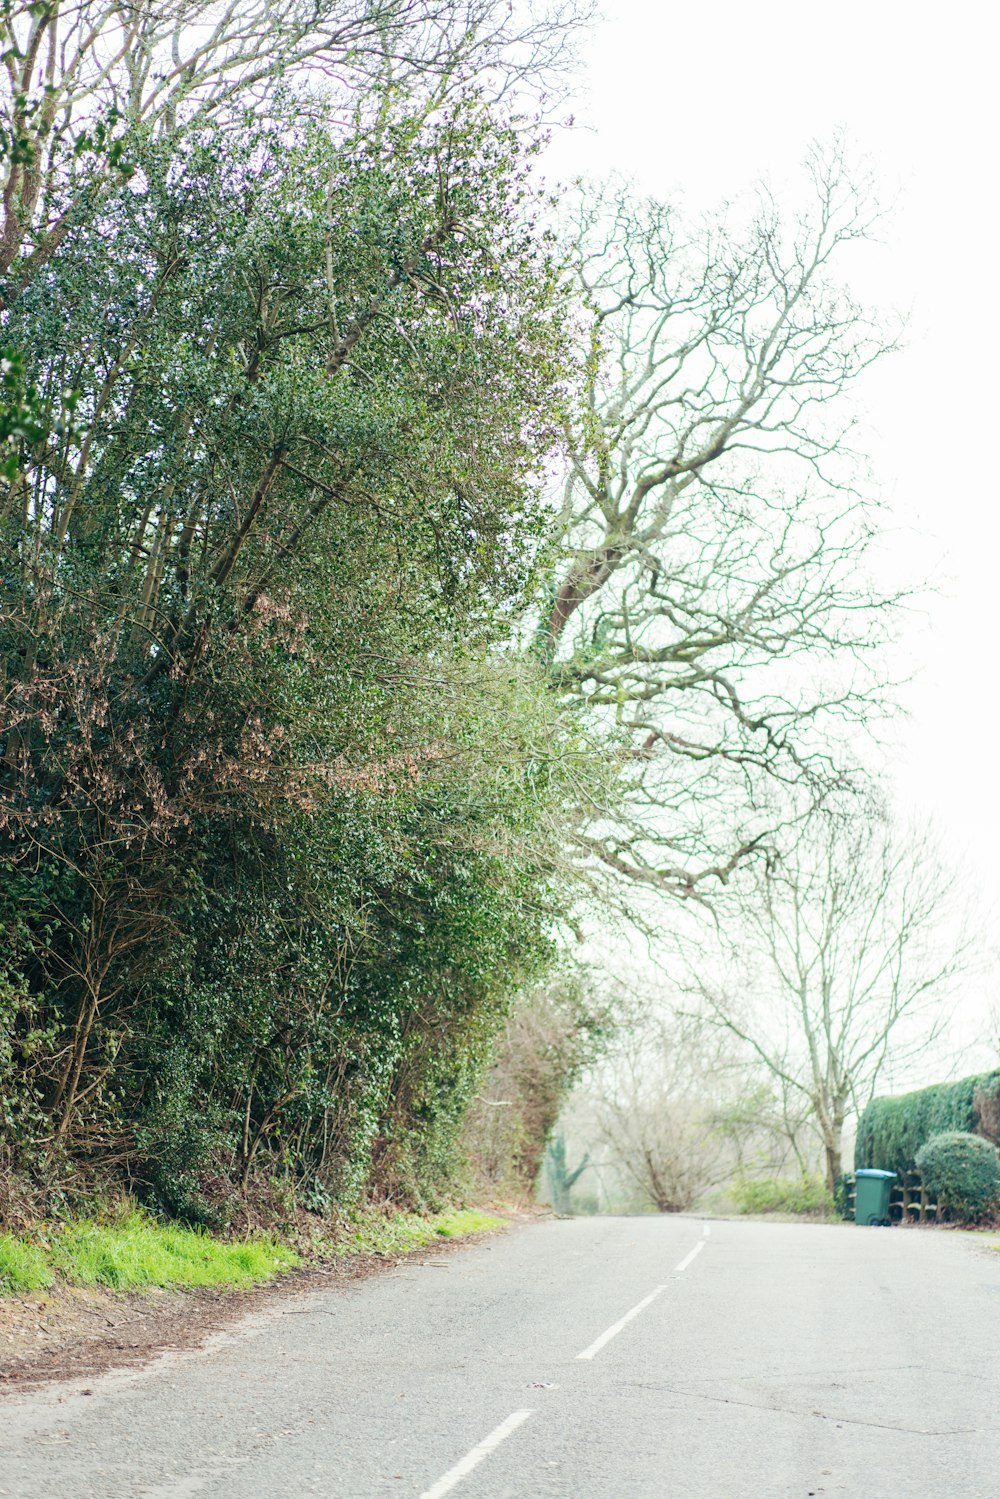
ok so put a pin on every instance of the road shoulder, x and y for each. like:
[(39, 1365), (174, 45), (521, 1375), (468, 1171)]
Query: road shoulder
[(72, 1332)]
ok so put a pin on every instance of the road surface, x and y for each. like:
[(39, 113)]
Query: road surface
[(595, 1358)]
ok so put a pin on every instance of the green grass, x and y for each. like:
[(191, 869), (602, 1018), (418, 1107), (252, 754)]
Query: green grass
[(371, 1233), (133, 1252), (23, 1266)]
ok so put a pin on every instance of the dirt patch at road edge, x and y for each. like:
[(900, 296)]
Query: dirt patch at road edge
[(73, 1333)]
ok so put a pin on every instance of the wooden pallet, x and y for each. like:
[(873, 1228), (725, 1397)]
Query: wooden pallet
[(909, 1202)]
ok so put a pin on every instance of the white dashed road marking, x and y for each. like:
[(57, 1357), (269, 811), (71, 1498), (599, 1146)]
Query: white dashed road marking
[(474, 1458), (616, 1327)]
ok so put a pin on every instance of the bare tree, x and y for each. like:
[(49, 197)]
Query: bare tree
[(708, 597), (845, 949), (675, 1109)]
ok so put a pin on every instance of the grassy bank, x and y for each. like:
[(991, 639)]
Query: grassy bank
[(134, 1251), (371, 1233)]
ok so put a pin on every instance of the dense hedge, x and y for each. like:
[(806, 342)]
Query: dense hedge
[(963, 1172), (892, 1130), (282, 802)]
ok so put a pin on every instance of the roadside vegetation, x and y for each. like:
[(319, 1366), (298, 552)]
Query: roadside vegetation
[(407, 573), (397, 1233), (893, 1130), (806, 1196), (132, 1253)]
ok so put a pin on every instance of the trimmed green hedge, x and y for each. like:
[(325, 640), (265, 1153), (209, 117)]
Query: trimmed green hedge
[(963, 1173), (892, 1130)]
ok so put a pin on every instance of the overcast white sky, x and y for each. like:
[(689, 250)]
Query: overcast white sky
[(697, 104)]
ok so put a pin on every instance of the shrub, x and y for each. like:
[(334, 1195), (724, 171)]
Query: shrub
[(842, 1195), (329, 856), (963, 1171), (805, 1195), (892, 1130)]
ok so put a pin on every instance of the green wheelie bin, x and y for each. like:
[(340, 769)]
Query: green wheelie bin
[(872, 1190)]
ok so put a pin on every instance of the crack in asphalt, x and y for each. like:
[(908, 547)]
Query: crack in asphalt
[(787, 1410), (851, 1371)]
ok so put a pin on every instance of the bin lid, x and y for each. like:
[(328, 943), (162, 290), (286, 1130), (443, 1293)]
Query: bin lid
[(866, 1171)]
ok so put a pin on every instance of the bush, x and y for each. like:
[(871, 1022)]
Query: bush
[(327, 857), (963, 1172), (805, 1195), (892, 1130), (842, 1195)]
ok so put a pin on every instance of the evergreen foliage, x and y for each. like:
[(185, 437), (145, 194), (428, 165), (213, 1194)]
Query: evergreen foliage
[(963, 1173), (281, 806), (892, 1130)]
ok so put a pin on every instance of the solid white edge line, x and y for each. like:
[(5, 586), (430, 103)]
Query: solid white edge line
[(598, 1343), (678, 1269), (472, 1459)]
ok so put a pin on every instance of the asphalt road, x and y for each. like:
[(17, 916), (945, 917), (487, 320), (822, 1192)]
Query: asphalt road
[(763, 1361)]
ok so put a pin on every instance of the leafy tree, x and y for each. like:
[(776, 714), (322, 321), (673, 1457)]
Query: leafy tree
[(275, 868), (82, 90)]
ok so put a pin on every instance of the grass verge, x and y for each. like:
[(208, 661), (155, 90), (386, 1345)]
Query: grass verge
[(133, 1252), (377, 1233)]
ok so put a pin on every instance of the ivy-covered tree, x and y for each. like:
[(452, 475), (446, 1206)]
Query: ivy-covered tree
[(84, 88), (277, 816)]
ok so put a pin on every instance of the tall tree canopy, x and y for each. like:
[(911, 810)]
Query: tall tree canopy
[(262, 870), (708, 595), (314, 705), (85, 83)]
